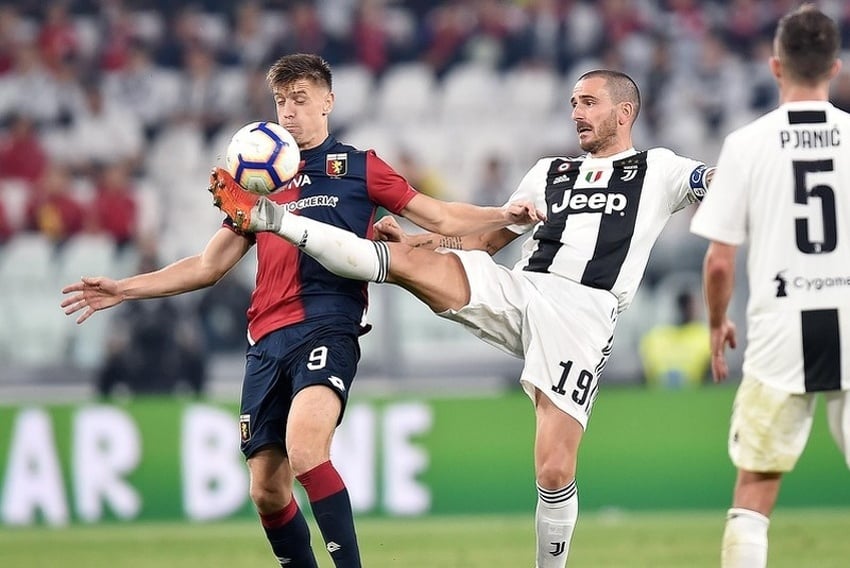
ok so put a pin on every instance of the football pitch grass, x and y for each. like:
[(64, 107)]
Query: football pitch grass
[(799, 538)]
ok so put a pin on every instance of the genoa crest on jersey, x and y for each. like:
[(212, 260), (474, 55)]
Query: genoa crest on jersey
[(336, 165)]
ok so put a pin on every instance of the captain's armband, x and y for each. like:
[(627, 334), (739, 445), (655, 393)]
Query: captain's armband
[(700, 180)]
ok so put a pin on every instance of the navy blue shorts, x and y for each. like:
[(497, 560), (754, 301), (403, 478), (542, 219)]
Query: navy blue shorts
[(284, 362)]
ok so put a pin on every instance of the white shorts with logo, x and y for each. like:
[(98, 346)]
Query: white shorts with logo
[(770, 427), (562, 329)]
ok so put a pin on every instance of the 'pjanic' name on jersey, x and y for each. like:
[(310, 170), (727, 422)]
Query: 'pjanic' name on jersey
[(810, 138)]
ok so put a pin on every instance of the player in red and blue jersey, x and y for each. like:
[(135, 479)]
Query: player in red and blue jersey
[(303, 321)]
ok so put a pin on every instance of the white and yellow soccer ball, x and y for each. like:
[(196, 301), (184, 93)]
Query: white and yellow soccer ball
[(262, 157)]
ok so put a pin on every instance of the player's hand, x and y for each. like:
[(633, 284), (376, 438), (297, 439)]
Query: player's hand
[(522, 213), (721, 336), (388, 229), (90, 294)]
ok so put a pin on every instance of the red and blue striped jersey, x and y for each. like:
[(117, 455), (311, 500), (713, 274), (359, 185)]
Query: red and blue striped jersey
[(338, 185)]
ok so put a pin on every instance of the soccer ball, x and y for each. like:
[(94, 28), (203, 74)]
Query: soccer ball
[(262, 157)]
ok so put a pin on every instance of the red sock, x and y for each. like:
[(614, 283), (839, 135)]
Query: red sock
[(332, 511), (276, 520), (321, 481)]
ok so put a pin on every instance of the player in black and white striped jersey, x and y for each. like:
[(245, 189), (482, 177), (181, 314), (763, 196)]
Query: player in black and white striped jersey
[(783, 184), (557, 308)]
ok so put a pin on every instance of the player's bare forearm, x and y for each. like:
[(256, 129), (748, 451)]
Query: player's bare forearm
[(221, 254), (388, 229), (185, 275), (431, 241), (456, 219), (464, 219), (94, 293), (719, 281)]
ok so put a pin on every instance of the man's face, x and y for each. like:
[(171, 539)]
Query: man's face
[(595, 115), (302, 108)]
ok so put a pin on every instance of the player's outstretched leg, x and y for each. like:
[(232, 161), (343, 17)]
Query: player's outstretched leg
[(340, 251)]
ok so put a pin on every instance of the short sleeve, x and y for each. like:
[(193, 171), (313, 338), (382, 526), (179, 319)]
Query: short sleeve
[(722, 215), (687, 181), (385, 186), (532, 188)]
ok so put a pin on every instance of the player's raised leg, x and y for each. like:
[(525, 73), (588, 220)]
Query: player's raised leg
[(436, 278)]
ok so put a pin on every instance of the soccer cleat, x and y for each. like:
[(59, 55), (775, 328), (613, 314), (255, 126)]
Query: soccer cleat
[(233, 200)]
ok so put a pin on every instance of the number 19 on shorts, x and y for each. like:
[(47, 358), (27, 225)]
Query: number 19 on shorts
[(581, 392)]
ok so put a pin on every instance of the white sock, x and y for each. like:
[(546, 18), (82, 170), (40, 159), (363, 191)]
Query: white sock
[(744, 540), (340, 251), (555, 519)]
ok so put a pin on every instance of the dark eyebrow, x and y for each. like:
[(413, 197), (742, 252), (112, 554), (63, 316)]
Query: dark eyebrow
[(574, 99)]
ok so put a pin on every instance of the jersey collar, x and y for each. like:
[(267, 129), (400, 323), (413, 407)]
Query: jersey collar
[(624, 154), (322, 148), (794, 105)]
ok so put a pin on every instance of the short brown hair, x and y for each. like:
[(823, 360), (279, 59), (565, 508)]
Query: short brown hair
[(290, 68), (807, 43), (620, 86)]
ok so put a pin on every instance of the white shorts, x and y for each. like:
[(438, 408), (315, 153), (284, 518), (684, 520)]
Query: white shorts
[(562, 329), (770, 427)]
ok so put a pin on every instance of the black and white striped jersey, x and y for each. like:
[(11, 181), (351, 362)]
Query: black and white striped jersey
[(604, 214), (783, 184)]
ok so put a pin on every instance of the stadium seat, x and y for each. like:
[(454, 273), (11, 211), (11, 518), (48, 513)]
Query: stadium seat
[(376, 136), (26, 264), (471, 92), (353, 85), (233, 83), (88, 34), (149, 221), (435, 145), (406, 93), (86, 344), (41, 329), (176, 151), (85, 255), (533, 92), (420, 335), (14, 195)]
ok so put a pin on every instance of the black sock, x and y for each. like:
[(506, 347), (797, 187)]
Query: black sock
[(289, 536), (332, 510)]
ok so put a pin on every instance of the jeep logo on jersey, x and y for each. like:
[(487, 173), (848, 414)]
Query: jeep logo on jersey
[(593, 202)]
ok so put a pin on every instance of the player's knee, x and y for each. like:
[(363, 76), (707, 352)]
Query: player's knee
[(267, 498), (554, 474), (304, 457)]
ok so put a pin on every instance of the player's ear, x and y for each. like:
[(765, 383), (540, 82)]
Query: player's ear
[(775, 67), (627, 113), (836, 68), (328, 104)]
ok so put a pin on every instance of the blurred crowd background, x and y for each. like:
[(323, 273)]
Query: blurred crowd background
[(113, 112)]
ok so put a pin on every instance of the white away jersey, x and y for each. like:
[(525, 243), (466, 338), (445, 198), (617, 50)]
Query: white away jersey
[(783, 183), (604, 214)]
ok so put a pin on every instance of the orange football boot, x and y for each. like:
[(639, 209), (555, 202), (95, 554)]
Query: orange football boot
[(233, 199)]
